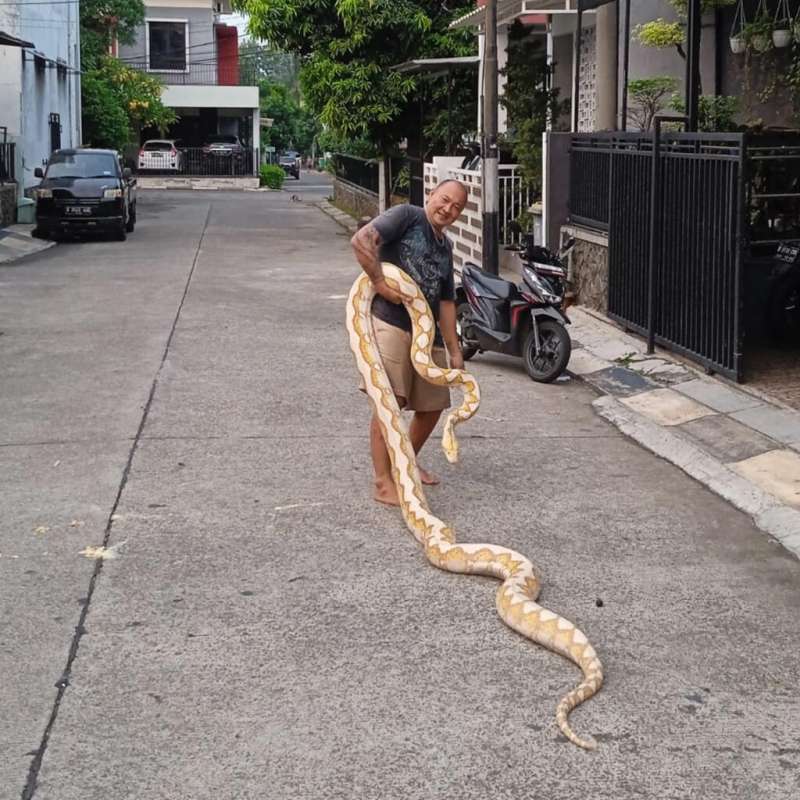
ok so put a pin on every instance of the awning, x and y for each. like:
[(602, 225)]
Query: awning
[(11, 41), (435, 66)]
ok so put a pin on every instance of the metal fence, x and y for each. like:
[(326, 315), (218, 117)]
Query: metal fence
[(515, 197), (7, 170), (212, 73), (680, 280), (194, 162), (361, 172)]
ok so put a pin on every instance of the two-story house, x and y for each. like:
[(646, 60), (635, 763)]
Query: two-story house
[(185, 44), (39, 83)]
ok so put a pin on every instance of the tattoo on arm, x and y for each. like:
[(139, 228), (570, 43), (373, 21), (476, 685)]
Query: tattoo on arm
[(366, 244)]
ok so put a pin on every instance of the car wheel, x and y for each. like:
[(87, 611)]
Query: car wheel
[(131, 223)]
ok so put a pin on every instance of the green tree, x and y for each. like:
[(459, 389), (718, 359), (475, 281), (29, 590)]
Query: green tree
[(293, 126), (529, 104), (261, 62), (117, 100), (649, 96), (101, 20), (347, 48)]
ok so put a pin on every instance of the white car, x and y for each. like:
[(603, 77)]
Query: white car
[(161, 154)]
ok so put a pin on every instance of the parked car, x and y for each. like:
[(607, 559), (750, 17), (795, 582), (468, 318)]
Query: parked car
[(290, 161), (85, 190), (223, 146), (162, 154)]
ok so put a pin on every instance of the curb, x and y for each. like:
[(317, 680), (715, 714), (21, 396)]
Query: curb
[(17, 242), (684, 416), (769, 514), (343, 219)]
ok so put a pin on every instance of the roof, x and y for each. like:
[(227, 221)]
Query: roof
[(12, 41), (434, 66), (509, 10)]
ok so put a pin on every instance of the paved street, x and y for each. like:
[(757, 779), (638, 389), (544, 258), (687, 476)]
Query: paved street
[(265, 630)]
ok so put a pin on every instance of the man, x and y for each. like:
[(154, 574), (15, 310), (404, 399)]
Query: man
[(414, 239)]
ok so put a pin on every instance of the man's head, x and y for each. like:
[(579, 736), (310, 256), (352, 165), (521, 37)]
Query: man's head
[(445, 203)]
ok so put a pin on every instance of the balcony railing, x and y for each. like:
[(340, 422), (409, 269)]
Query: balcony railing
[(214, 73), (7, 162)]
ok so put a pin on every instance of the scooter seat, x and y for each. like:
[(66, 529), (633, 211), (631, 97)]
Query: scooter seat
[(489, 284)]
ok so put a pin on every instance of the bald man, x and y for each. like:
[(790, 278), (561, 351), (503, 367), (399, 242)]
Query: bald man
[(414, 239)]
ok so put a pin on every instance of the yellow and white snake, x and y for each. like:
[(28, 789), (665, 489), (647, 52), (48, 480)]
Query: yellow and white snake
[(516, 597)]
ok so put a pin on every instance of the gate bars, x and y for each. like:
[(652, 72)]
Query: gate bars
[(688, 299)]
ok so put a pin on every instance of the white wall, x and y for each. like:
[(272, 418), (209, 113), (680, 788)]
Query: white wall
[(28, 94)]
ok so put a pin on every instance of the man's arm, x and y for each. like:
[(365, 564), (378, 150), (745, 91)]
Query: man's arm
[(447, 325), (366, 244)]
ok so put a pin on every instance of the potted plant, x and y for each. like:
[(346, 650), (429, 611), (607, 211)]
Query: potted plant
[(758, 33), (737, 39), (782, 26)]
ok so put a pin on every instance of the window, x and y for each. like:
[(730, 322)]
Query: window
[(166, 44), (82, 165)]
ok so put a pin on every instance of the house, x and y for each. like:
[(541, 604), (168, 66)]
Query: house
[(185, 44), (676, 236), (40, 107)]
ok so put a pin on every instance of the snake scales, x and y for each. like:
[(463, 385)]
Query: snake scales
[(516, 597)]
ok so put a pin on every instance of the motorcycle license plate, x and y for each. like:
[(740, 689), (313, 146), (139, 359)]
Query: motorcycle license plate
[(78, 210)]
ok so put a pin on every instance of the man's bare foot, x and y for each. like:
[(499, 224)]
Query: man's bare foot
[(428, 478), (386, 493)]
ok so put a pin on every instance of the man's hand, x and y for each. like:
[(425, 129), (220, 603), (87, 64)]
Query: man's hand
[(386, 292), (456, 360)]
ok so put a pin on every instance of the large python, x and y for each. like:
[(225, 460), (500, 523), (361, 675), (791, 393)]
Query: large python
[(516, 597)]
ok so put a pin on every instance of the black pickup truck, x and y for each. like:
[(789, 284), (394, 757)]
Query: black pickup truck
[(85, 190)]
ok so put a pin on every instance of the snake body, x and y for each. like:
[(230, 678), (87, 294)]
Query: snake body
[(516, 597)]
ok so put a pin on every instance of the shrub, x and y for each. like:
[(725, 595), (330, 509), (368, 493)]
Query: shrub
[(272, 175)]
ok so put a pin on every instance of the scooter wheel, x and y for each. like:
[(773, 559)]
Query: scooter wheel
[(463, 313), (555, 348)]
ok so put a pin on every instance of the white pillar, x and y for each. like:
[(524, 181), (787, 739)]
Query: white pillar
[(502, 59), (605, 67), (383, 198), (256, 137)]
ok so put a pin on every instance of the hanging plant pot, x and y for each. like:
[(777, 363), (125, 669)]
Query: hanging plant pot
[(761, 42), (738, 44), (781, 37)]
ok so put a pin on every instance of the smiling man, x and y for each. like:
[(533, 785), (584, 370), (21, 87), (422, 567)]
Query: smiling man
[(414, 239)]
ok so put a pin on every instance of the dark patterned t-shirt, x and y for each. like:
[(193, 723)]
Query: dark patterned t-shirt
[(408, 240)]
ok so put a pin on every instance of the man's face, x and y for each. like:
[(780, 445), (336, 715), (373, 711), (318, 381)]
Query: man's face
[(445, 205)]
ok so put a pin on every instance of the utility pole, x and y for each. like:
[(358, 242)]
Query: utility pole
[(489, 142), (695, 15)]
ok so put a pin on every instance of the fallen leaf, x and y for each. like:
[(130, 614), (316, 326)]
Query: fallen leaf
[(76, 523), (57, 463), (102, 553), (42, 529)]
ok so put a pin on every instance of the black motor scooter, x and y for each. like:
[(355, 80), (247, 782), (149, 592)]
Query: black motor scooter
[(525, 320)]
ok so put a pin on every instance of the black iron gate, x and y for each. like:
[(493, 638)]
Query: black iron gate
[(55, 132), (694, 289)]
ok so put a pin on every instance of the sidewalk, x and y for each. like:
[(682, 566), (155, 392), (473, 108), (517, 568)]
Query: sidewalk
[(744, 446), (16, 242)]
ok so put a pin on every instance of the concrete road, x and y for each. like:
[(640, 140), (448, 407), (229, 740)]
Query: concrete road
[(266, 631)]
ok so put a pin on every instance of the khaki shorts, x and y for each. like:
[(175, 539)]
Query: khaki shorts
[(394, 345)]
